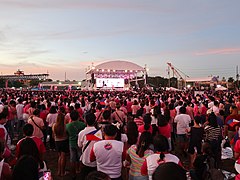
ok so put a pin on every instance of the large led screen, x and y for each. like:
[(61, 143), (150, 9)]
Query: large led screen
[(109, 82)]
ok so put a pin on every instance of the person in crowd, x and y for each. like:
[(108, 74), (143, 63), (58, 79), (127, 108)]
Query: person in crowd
[(31, 109), (73, 130), (86, 139), (169, 171), (164, 129), (160, 156), (213, 135), (12, 114), (179, 105), (135, 107), (196, 136), (106, 117), (109, 153), (182, 120), (136, 155), (173, 114), (78, 108), (119, 115), (99, 113), (26, 168), (97, 175), (230, 131), (5, 169), (62, 143), (147, 124), (4, 135), (155, 113), (51, 119), (28, 133), (132, 133), (20, 121), (202, 163), (139, 118), (189, 109), (37, 123), (29, 147), (67, 116), (43, 114)]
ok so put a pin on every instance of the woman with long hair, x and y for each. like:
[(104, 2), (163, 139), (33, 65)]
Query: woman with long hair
[(132, 133), (136, 155), (147, 119), (160, 156), (61, 141)]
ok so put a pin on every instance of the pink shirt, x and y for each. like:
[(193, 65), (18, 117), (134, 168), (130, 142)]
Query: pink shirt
[(36, 131), (138, 121), (135, 108)]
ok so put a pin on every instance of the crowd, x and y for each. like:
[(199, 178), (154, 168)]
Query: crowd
[(146, 134)]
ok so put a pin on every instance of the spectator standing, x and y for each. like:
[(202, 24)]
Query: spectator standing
[(62, 143), (109, 153), (86, 144), (73, 130)]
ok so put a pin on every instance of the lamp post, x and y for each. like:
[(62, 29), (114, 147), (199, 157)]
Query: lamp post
[(145, 74)]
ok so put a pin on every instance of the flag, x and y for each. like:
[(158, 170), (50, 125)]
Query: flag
[(95, 135), (233, 122)]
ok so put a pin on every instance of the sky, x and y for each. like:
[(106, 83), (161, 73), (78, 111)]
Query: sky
[(201, 37)]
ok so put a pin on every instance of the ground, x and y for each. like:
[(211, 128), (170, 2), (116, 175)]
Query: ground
[(51, 159)]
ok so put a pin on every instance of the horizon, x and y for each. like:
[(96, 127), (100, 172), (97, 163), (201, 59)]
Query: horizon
[(200, 39)]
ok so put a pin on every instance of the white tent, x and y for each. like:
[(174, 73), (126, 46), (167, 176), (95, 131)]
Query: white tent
[(221, 88), (171, 89)]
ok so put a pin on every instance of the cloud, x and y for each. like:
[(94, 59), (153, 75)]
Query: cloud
[(223, 51), (72, 4)]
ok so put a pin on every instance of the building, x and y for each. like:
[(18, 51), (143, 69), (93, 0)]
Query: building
[(115, 75)]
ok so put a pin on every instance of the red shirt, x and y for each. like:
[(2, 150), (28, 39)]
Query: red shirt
[(38, 141), (43, 114), (141, 129), (165, 130), (237, 147), (236, 116), (129, 106)]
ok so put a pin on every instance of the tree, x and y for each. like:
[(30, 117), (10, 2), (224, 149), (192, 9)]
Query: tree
[(35, 82), (2, 83), (230, 79), (223, 79)]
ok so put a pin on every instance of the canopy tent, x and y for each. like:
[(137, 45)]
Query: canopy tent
[(172, 89), (221, 88)]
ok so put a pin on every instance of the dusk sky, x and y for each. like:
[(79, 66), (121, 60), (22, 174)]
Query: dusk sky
[(200, 37)]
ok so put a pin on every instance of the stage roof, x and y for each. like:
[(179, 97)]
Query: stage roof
[(116, 66)]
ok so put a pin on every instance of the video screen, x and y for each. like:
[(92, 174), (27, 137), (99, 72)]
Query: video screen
[(109, 83)]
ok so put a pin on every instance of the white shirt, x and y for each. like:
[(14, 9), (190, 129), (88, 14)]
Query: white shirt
[(19, 109), (148, 109), (51, 119), (85, 157), (183, 121), (152, 162), (177, 109), (109, 157), (215, 109)]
